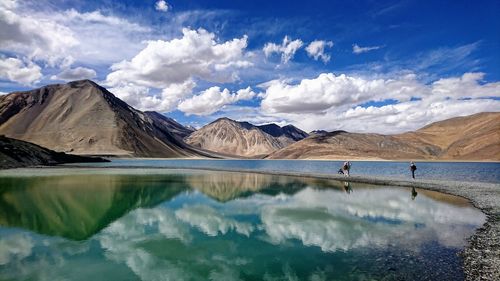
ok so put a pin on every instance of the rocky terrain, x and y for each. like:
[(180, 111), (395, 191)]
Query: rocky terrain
[(83, 118), (475, 137), (169, 124), (244, 139), (16, 153)]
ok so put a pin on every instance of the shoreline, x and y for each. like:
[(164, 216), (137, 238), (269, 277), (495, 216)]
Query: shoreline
[(481, 255), (314, 159)]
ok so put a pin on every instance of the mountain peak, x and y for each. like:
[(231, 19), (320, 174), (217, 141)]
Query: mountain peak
[(84, 118), (82, 83)]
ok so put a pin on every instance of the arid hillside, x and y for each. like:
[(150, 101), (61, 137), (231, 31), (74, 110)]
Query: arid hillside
[(242, 138), (83, 118), (475, 137)]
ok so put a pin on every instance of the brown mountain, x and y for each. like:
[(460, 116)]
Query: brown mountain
[(170, 124), (83, 118), (475, 137), (16, 153), (242, 138)]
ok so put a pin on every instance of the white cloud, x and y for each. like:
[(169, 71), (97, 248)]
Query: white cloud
[(316, 50), (327, 90), (288, 48), (167, 100), (78, 73), (16, 70), (196, 54), (54, 36), (212, 100), (32, 36), (356, 49), (332, 102), (161, 5)]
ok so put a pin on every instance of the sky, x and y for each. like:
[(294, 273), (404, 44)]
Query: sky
[(360, 66)]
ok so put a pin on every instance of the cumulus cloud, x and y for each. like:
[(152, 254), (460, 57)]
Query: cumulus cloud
[(337, 102), (61, 37), (78, 73), (196, 54), (161, 6), (356, 49), (24, 72), (22, 33), (328, 90), (166, 100), (316, 50), (213, 99), (287, 49)]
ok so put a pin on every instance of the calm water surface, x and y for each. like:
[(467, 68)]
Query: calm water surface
[(147, 224), (459, 171)]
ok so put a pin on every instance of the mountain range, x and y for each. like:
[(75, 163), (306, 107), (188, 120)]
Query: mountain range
[(82, 117), (474, 137), (228, 136)]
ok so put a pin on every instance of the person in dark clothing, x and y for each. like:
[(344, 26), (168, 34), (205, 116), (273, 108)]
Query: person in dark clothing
[(413, 168)]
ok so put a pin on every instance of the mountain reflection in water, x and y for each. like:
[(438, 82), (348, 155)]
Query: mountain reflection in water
[(190, 225)]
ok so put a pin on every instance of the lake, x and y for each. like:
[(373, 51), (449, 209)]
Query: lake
[(160, 224), (458, 171)]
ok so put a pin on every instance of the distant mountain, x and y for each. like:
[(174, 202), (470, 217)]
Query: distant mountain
[(318, 132), (16, 153), (170, 124), (475, 137), (288, 134), (242, 138), (83, 118)]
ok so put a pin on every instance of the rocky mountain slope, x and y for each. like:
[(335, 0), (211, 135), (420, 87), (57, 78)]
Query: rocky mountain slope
[(242, 138), (170, 124), (16, 153), (475, 137), (286, 135), (83, 118)]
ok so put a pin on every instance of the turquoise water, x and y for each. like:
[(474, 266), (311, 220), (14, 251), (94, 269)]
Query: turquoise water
[(157, 224), (459, 171)]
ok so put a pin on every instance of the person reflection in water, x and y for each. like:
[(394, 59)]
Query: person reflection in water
[(347, 187), (414, 193)]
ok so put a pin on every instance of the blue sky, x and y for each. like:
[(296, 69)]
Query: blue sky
[(367, 66)]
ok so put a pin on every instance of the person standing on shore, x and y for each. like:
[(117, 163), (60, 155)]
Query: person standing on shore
[(346, 167), (413, 168)]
